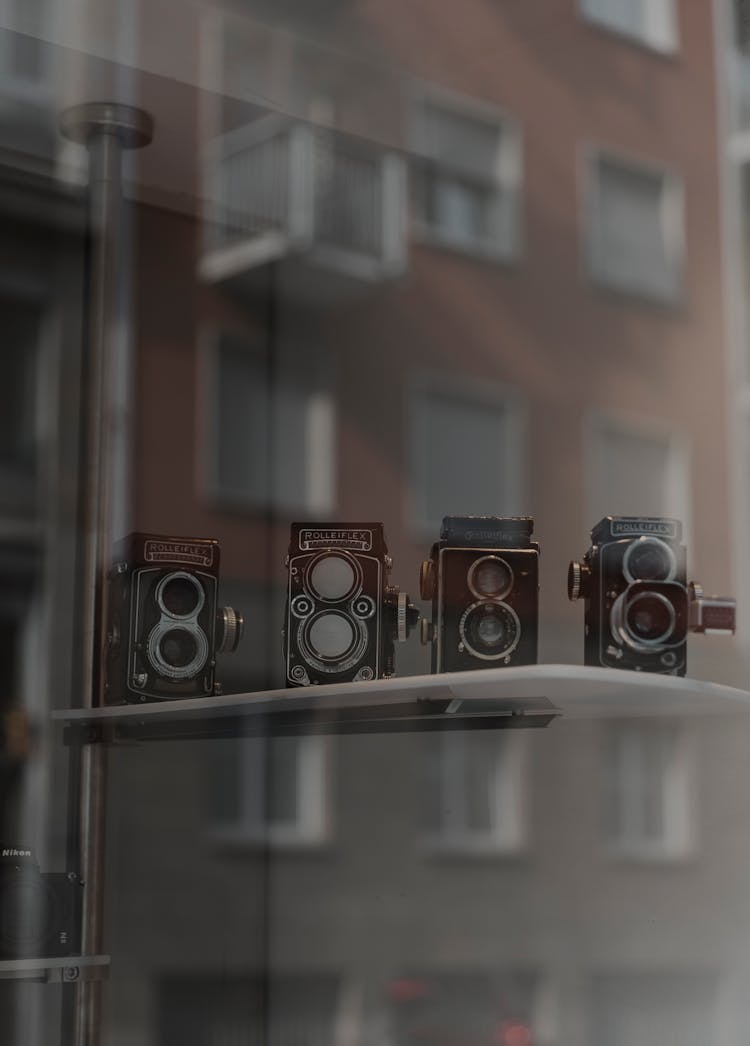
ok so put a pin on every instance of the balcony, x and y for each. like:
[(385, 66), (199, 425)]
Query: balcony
[(328, 207)]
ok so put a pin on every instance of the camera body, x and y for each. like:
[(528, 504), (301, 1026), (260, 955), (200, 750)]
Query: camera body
[(343, 617), (40, 912), (482, 578), (164, 623), (639, 605)]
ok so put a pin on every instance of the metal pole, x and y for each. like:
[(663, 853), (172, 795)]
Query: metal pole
[(106, 129)]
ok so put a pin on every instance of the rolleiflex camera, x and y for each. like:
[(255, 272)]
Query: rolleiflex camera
[(639, 607), (343, 617), (483, 580), (40, 912), (165, 626)]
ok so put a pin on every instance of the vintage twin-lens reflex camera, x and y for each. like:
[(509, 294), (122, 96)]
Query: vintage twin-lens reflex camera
[(639, 606), (343, 616), (483, 580), (165, 626), (40, 912)]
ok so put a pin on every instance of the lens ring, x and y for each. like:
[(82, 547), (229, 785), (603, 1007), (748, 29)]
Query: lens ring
[(309, 635), (159, 662), (494, 608), (180, 583), (649, 545), (623, 631), (333, 577), (490, 578)]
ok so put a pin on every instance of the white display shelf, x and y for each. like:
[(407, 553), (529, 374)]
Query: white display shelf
[(532, 695), (68, 969)]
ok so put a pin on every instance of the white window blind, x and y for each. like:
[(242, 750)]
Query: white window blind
[(652, 22), (467, 454), (472, 790), (272, 436), (647, 789), (635, 472), (636, 229)]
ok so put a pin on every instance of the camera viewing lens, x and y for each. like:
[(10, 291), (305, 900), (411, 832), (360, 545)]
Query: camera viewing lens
[(490, 630), (332, 577), (649, 559), (331, 636), (490, 577), (650, 618), (180, 595), (178, 648)]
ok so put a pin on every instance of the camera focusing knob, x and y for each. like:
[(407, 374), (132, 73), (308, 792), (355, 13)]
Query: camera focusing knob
[(578, 574), (426, 632), (427, 579), (233, 625)]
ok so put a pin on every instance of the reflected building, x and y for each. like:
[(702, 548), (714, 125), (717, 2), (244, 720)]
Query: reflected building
[(386, 264)]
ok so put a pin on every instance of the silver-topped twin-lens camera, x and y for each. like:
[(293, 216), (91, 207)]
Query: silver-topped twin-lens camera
[(482, 578), (639, 606), (165, 626), (342, 615)]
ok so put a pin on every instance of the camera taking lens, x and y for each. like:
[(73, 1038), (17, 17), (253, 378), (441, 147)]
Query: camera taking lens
[(638, 605), (343, 617), (482, 578)]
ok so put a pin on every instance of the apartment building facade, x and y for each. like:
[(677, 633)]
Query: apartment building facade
[(391, 263)]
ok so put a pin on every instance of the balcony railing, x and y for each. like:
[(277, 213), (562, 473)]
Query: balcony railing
[(287, 190)]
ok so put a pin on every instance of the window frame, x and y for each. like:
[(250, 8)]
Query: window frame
[(507, 181), (207, 440), (314, 825), (677, 799), (597, 422), (500, 841), (673, 201), (475, 392), (649, 42)]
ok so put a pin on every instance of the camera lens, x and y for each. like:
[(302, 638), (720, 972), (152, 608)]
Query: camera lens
[(490, 630), (177, 652), (28, 914), (180, 595), (490, 578), (178, 648), (649, 559), (331, 636), (650, 618), (332, 578)]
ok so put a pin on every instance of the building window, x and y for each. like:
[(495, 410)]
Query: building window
[(467, 452), (650, 22), (451, 1008), (466, 177), (472, 791), (647, 790), (634, 469), (271, 790), (280, 1010), (271, 436), (635, 223), (629, 1008)]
